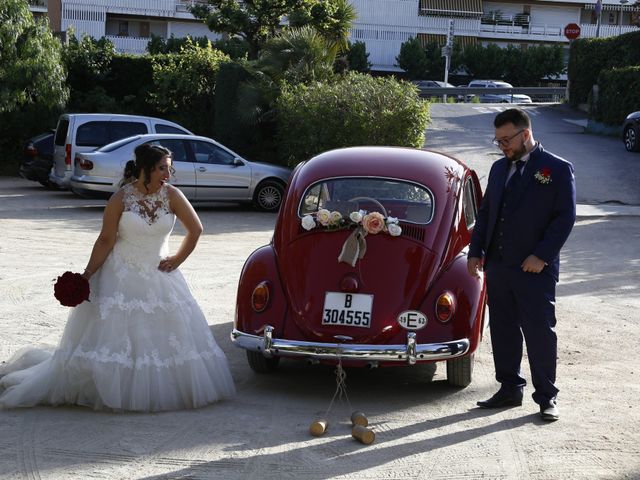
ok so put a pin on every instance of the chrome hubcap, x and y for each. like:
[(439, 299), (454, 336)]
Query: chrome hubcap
[(269, 198)]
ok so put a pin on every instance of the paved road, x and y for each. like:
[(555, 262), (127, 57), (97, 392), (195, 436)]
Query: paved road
[(425, 429)]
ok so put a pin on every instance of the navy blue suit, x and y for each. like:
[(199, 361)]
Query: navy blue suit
[(534, 218)]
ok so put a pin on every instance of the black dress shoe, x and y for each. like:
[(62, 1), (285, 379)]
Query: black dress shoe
[(502, 399), (549, 411)]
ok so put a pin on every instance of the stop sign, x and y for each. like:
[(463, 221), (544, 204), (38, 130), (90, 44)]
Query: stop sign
[(572, 31)]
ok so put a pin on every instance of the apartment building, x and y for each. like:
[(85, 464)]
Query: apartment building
[(383, 25), (129, 24)]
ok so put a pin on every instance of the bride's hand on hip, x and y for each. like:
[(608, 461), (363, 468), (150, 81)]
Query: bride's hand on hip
[(168, 264)]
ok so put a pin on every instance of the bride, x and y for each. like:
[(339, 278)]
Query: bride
[(141, 342)]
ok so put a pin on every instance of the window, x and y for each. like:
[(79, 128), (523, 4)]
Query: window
[(206, 152), (177, 148), (118, 130), (116, 145), (407, 201), (92, 134), (161, 128), (97, 134), (469, 206), (123, 29), (61, 131), (144, 29)]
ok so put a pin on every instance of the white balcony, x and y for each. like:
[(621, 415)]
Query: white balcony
[(39, 6), (129, 45)]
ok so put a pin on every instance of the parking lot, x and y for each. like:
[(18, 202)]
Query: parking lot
[(424, 428)]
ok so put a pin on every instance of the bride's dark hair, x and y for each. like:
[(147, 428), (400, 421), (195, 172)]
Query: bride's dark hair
[(146, 158)]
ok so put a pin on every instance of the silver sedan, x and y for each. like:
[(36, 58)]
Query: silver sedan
[(204, 170)]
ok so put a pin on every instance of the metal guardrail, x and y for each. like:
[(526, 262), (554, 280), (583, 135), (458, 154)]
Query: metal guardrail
[(539, 94)]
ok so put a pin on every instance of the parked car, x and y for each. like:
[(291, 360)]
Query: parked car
[(631, 132), (432, 84), (205, 170), (84, 132), (325, 290), (422, 84), (495, 96), (37, 158)]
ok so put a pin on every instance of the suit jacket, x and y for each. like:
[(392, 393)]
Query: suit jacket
[(540, 217)]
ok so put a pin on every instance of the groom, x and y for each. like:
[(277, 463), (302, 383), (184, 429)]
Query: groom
[(527, 213)]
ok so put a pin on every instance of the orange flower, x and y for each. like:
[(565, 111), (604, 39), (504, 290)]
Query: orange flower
[(373, 223)]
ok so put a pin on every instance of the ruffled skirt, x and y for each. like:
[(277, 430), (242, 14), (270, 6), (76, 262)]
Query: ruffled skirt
[(141, 344)]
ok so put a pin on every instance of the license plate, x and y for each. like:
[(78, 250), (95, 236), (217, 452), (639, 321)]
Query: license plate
[(348, 309)]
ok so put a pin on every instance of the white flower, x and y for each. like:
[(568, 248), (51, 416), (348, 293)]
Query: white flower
[(391, 220), (308, 223), (394, 229), (323, 216), (335, 218), (356, 217)]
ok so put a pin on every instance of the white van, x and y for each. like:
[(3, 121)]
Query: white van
[(84, 132)]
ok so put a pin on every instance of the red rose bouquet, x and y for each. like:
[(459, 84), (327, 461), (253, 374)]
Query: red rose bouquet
[(71, 289)]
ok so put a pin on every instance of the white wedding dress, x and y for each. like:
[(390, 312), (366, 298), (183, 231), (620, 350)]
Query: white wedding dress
[(141, 342)]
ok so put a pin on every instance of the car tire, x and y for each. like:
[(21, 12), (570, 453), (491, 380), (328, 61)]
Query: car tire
[(268, 196), (460, 371), (261, 364), (631, 138)]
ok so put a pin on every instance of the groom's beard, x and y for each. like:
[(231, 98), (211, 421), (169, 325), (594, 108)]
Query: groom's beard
[(518, 153)]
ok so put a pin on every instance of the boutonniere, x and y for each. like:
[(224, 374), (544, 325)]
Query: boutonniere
[(543, 176)]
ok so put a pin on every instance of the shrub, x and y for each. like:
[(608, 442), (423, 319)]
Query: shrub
[(619, 94), (355, 110), (590, 56)]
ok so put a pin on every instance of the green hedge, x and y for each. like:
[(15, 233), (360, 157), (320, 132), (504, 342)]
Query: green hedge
[(590, 56), (618, 96), (355, 110)]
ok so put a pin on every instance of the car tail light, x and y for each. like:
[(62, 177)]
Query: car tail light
[(83, 163), (67, 154), (260, 297), (445, 307), (31, 150)]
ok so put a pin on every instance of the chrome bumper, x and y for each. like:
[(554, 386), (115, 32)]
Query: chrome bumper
[(409, 353)]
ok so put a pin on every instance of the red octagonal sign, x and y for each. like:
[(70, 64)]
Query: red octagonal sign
[(572, 31)]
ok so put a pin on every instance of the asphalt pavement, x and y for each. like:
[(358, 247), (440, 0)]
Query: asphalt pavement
[(424, 428)]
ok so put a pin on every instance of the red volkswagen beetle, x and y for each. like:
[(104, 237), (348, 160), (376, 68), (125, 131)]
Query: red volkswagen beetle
[(367, 265)]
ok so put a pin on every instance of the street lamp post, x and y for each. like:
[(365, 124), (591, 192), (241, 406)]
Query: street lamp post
[(622, 3)]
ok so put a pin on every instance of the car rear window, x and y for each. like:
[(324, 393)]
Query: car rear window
[(116, 145), (409, 202), (97, 134), (161, 128), (61, 131)]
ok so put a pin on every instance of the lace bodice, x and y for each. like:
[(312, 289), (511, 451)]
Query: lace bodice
[(144, 228), (147, 206)]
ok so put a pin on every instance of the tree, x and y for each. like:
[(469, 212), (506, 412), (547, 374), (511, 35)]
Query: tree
[(331, 18), (88, 62), (184, 85), (358, 58), (484, 62), (257, 20), (31, 73), (413, 59)]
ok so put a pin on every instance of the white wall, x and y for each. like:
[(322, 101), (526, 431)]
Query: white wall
[(194, 29)]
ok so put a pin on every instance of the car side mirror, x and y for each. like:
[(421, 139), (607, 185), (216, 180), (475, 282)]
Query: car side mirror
[(237, 162)]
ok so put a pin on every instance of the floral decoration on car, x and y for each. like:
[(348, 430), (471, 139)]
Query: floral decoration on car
[(364, 223), (543, 176)]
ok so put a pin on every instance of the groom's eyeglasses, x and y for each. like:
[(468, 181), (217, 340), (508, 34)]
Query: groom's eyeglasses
[(503, 142)]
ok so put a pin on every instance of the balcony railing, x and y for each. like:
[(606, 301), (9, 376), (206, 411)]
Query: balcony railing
[(131, 45), (38, 5)]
